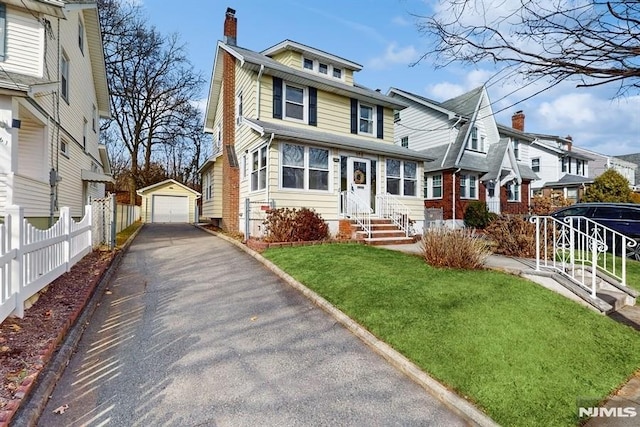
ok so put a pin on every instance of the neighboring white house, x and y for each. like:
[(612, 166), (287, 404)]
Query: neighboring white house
[(53, 91), (602, 163)]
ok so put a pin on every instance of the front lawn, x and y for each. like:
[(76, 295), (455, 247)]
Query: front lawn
[(522, 353)]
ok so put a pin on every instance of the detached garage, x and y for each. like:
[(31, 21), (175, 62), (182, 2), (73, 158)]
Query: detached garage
[(168, 202)]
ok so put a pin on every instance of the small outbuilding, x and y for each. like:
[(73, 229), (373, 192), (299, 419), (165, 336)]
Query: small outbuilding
[(168, 202)]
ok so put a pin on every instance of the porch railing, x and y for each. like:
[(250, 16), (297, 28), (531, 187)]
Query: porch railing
[(388, 206), (357, 209), (578, 247)]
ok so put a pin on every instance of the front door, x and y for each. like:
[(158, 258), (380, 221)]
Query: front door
[(359, 178)]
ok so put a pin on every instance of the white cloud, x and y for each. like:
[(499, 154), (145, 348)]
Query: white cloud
[(603, 125), (394, 55), (200, 104), (445, 90)]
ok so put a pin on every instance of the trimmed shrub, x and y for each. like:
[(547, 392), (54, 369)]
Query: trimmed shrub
[(544, 205), (477, 215), (295, 225), (463, 249), (513, 236)]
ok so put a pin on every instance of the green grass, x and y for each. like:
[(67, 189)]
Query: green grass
[(521, 353), (124, 235)]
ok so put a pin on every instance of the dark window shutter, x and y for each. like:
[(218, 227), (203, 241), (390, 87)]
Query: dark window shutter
[(380, 120), (354, 115), (313, 106), (277, 98)]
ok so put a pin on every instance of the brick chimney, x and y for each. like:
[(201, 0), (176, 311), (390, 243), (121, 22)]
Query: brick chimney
[(569, 143), (517, 121), (230, 27), (230, 170)]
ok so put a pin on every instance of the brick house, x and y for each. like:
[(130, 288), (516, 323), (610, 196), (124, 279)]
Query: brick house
[(473, 160)]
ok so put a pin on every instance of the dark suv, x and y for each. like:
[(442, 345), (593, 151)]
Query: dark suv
[(621, 217)]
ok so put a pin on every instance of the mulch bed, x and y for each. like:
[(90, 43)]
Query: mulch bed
[(27, 344)]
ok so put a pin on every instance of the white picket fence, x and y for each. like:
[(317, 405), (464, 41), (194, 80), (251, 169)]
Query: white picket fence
[(31, 258)]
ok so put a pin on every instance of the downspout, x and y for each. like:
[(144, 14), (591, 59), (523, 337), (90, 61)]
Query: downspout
[(268, 166), (258, 93), (453, 200)]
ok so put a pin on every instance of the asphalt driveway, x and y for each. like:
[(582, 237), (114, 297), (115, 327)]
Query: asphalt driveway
[(194, 332)]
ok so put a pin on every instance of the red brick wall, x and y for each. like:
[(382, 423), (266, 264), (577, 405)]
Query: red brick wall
[(447, 196), (230, 175), (521, 207), (461, 204)]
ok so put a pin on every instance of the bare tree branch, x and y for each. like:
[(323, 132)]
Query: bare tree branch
[(595, 42)]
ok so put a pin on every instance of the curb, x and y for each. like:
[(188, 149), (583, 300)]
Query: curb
[(461, 406), (28, 413)]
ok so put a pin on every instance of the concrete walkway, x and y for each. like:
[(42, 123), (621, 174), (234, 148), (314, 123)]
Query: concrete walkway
[(194, 332)]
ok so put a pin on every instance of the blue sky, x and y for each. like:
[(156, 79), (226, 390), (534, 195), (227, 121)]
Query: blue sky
[(382, 37)]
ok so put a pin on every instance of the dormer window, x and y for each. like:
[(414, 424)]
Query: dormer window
[(324, 68), (308, 64)]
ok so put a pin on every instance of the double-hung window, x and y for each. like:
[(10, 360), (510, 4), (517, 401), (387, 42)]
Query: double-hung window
[(404, 142), (535, 165), (295, 102), (366, 119), (305, 168), (433, 186), (64, 77), (516, 149), (473, 142), (513, 192), (239, 107), (565, 164), (259, 169), (402, 177), (468, 187)]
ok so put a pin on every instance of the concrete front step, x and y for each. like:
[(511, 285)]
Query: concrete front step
[(379, 241), (381, 233)]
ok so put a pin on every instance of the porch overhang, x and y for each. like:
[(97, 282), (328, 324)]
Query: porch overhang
[(89, 176)]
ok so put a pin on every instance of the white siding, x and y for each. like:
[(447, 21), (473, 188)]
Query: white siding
[(32, 151), (32, 195), (425, 127), (25, 44)]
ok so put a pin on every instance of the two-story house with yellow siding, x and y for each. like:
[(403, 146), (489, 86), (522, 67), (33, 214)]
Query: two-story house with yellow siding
[(292, 127), (53, 91)]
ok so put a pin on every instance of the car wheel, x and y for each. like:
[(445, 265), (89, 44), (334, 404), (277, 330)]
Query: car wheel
[(634, 252)]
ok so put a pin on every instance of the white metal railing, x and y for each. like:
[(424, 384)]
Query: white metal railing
[(575, 246), (388, 206), (30, 258), (357, 209)]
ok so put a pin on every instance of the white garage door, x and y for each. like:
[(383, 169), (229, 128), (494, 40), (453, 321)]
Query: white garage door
[(170, 209)]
